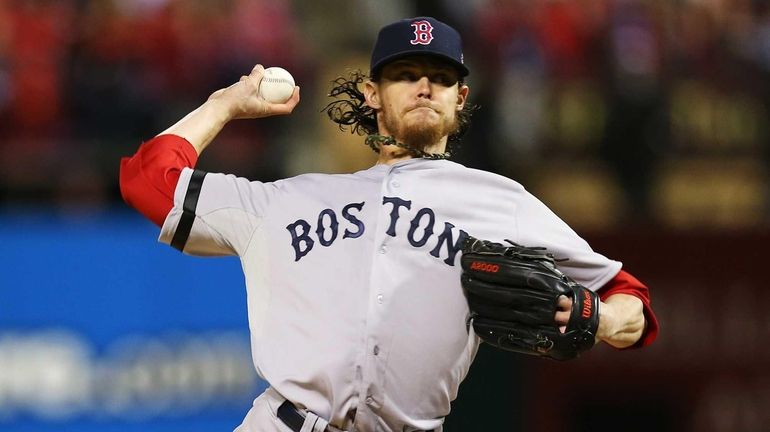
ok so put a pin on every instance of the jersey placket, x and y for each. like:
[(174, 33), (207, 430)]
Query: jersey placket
[(377, 337)]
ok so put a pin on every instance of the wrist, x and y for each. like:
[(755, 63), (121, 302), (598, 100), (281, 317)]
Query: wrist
[(202, 125), (219, 111), (606, 321), (621, 320)]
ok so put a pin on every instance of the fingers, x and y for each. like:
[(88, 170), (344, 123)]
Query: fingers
[(256, 75), (563, 309), (562, 317), (253, 79), (288, 106), (243, 97)]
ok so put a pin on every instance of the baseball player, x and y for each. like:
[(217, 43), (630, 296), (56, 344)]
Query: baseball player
[(357, 316)]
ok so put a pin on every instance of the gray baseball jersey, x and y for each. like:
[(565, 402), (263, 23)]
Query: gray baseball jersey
[(353, 281)]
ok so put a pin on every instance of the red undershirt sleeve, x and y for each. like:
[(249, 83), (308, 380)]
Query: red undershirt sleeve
[(149, 177), (625, 283)]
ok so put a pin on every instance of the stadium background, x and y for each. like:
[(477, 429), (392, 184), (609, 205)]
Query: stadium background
[(644, 124)]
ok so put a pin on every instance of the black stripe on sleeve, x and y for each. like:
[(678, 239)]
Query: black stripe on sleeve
[(188, 210)]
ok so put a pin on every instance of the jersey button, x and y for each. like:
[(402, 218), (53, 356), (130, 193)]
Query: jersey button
[(395, 184), (369, 400), (379, 298), (376, 350), (383, 249)]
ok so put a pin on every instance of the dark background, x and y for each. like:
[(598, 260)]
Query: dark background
[(706, 371)]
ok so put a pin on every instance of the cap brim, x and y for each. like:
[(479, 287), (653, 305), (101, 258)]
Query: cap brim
[(385, 60)]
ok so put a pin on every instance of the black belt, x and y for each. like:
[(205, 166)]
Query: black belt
[(292, 417)]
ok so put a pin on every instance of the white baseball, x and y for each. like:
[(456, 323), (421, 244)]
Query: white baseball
[(277, 85)]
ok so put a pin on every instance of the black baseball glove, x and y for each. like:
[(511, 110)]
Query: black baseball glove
[(513, 292)]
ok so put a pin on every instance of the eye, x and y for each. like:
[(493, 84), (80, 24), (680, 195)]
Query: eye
[(443, 78), (407, 75)]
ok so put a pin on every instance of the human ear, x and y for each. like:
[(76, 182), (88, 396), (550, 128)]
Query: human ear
[(372, 95), (462, 96)]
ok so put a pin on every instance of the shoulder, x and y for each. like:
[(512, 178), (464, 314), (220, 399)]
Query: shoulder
[(326, 179), (479, 177)]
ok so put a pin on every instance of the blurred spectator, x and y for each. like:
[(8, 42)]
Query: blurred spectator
[(33, 41), (37, 35), (636, 130)]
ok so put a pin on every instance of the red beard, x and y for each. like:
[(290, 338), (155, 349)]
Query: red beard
[(420, 135)]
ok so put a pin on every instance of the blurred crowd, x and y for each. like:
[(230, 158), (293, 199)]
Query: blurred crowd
[(614, 112)]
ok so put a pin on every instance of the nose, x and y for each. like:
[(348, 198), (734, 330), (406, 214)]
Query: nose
[(424, 87)]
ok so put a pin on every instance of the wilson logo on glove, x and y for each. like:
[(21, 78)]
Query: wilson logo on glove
[(587, 305), (485, 267)]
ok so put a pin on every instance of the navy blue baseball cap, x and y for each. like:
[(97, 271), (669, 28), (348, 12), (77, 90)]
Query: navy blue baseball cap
[(417, 36)]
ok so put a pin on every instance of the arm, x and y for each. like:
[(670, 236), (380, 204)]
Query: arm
[(626, 319), (239, 101), (149, 177), (621, 320)]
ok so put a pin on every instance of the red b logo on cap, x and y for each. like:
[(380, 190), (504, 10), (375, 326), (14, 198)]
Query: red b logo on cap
[(423, 33)]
